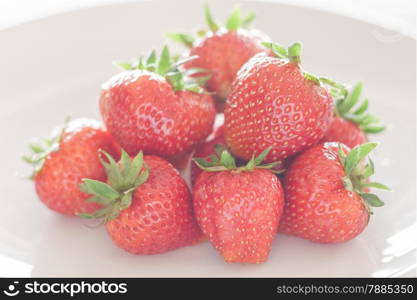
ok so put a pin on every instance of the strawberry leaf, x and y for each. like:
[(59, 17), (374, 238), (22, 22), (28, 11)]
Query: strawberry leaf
[(362, 109), (164, 63), (351, 99), (209, 19), (372, 199), (278, 50), (369, 169), (124, 177), (227, 160), (223, 161), (235, 19), (294, 53), (99, 189), (374, 128), (376, 185), (182, 38), (261, 157), (42, 148), (356, 155), (248, 19)]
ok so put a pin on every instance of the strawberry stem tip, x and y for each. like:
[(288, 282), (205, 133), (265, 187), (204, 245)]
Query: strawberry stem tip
[(171, 69), (223, 160), (357, 174), (235, 21), (123, 178), (43, 147), (292, 53)]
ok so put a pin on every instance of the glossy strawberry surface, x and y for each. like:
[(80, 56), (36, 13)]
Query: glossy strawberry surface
[(345, 132), (273, 104), (223, 53), (143, 112), (77, 157), (239, 212), (160, 217), (318, 207)]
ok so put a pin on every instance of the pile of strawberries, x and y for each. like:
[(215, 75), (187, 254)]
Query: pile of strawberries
[(290, 157)]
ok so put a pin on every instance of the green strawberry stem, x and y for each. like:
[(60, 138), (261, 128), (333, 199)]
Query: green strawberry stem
[(348, 106), (170, 68), (234, 22), (43, 147), (292, 53), (224, 161), (357, 174), (124, 177)]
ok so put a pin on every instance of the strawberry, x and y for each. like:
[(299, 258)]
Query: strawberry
[(155, 107), (238, 208), (273, 103), (64, 159), (325, 193), (349, 125), (206, 149), (223, 50), (146, 205)]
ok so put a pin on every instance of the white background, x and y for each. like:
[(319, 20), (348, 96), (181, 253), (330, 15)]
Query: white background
[(394, 14)]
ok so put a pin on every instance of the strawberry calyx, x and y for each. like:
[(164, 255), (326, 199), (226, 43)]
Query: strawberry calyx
[(123, 177), (348, 106), (234, 22), (357, 174), (169, 67), (223, 160), (293, 55), (41, 148)]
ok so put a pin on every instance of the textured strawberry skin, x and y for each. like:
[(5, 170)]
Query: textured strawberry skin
[(272, 104), (57, 183), (143, 112), (223, 53), (318, 207), (345, 132), (204, 150), (239, 212), (160, 217)]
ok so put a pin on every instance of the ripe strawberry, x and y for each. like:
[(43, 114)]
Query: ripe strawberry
[(238, 208), (157, 108), (274, 104), (325, 193), (345, 132), (147, 206), (206, 149), (67, 157), (223, 50), (350, 126)]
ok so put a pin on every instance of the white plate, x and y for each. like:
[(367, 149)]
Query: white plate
[(53, 68)]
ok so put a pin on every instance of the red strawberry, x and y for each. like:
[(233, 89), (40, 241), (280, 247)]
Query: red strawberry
[(205, 149), (345, 132), (223, 50), (156, 108), (350, 125), (238, 208), (147, 205), (63, 160), (325, 193), (274, 104)]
